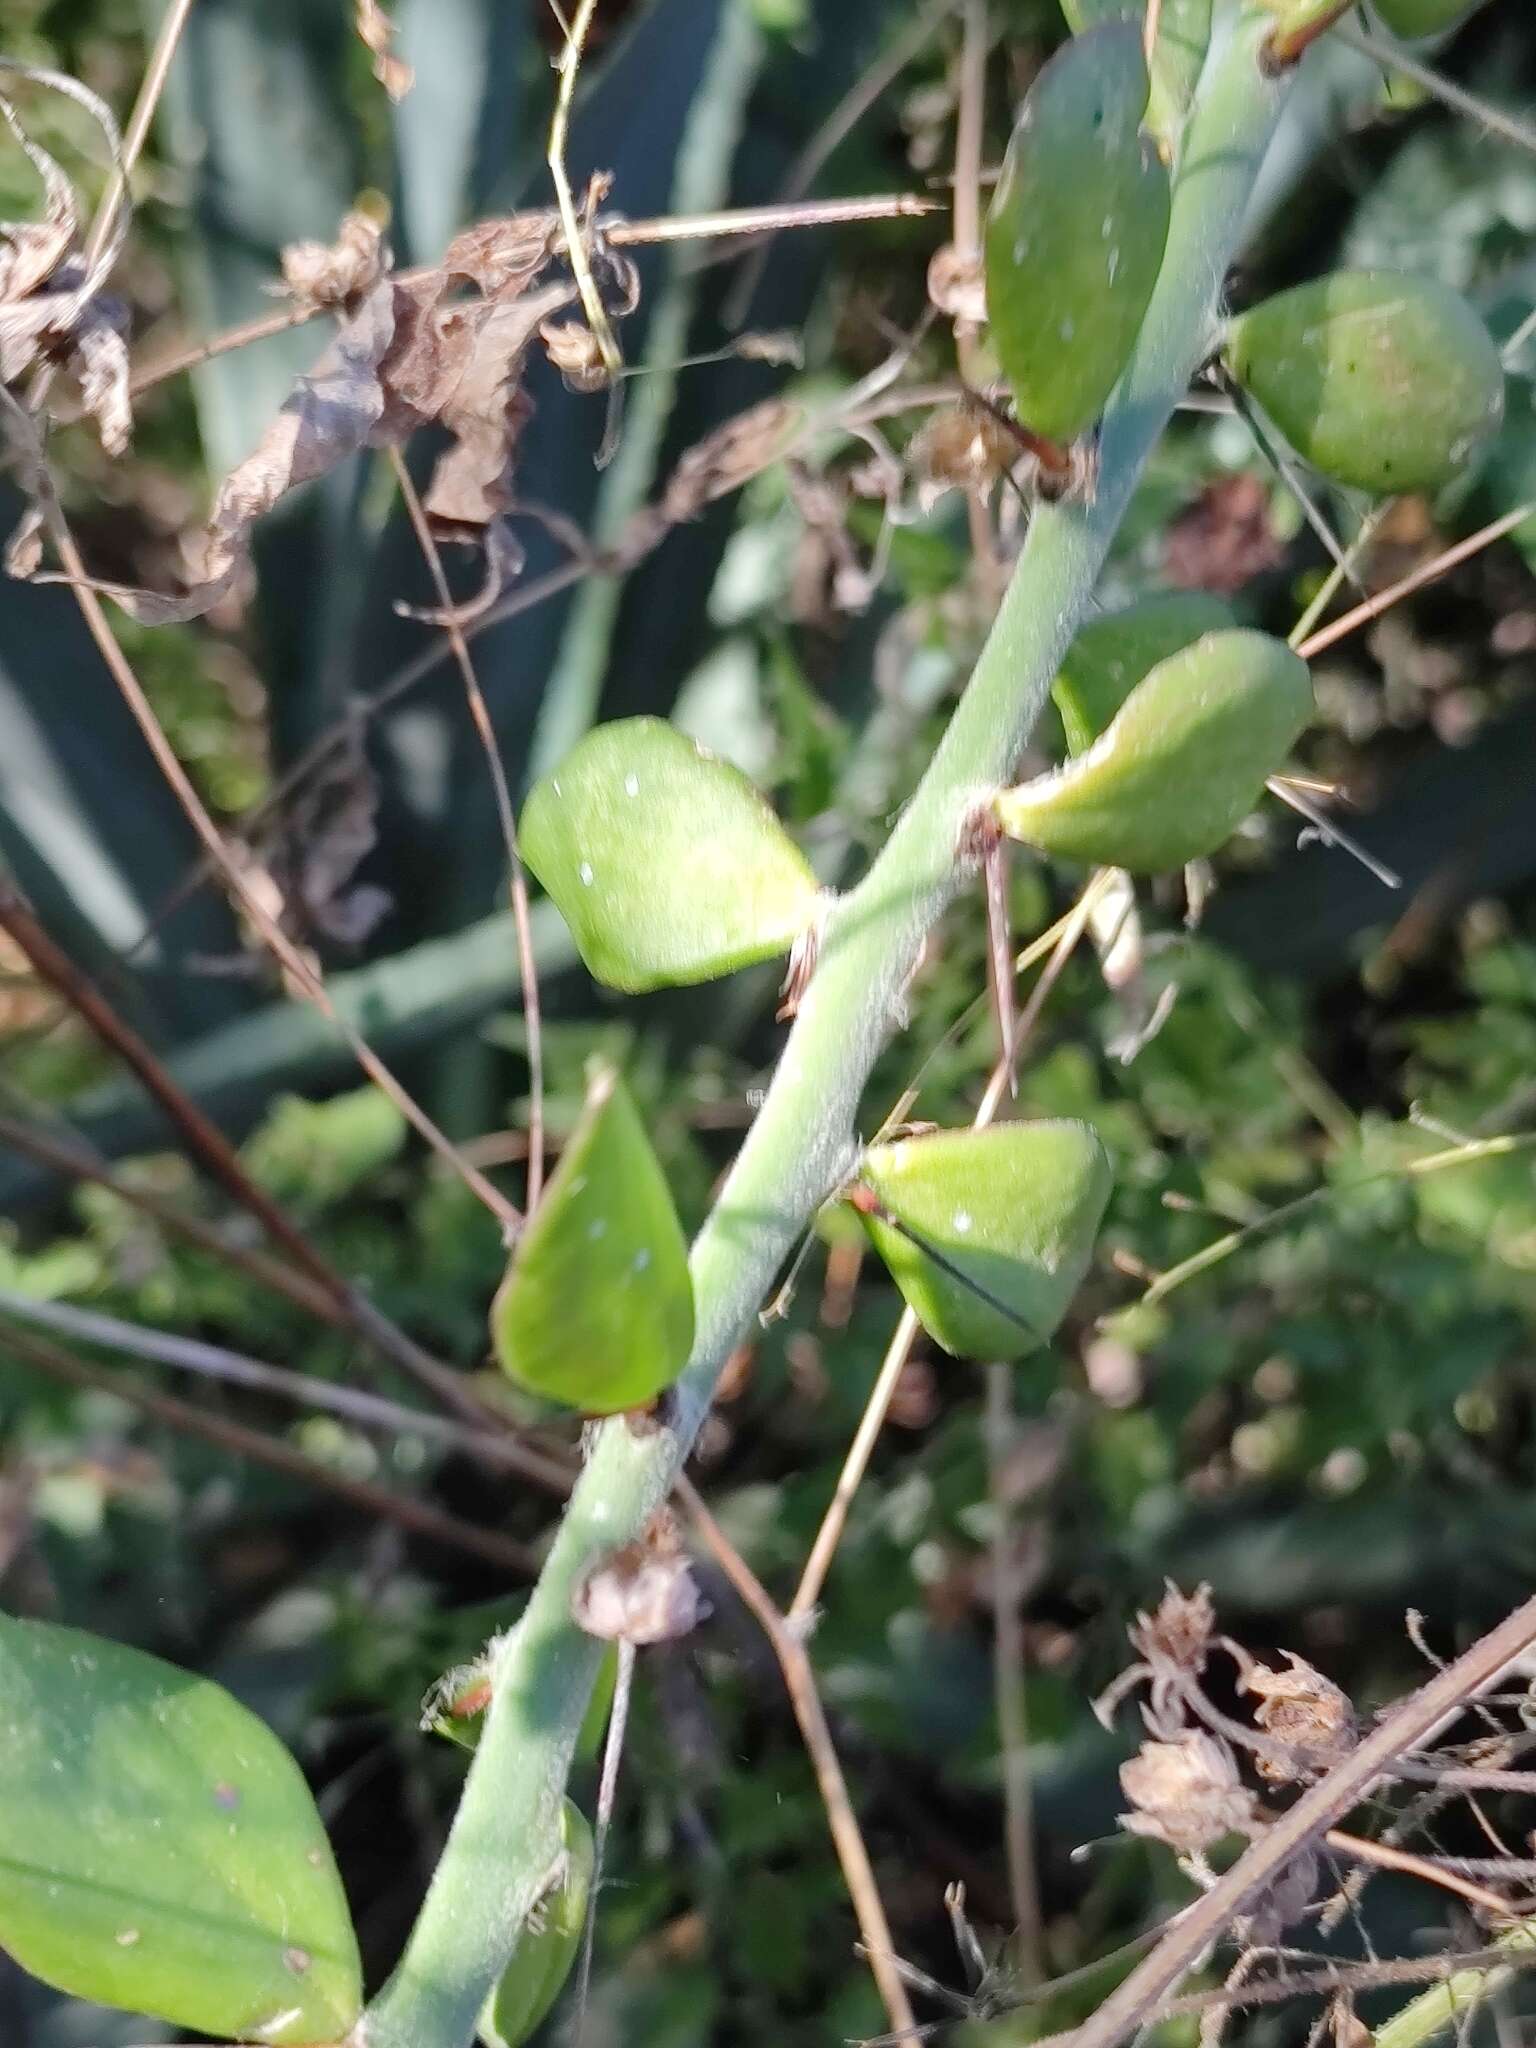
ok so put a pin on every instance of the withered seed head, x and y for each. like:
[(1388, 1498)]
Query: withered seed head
[(1185, 1793), (1305, 1711)]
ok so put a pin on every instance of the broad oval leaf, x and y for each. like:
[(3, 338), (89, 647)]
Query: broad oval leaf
[(597, 1306), (988, 1233), (1384, 381), (547, 1946), (159, 1848), (1180, 765), (668, 865), (1113, 652), (1076, 231)]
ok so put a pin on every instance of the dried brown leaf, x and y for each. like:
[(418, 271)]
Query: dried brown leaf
[(377, 32)]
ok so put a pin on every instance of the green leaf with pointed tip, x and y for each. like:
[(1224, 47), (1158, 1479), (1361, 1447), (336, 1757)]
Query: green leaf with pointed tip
[(597, 1306), (159, 1848), (1076, 231), (1382, 380), (667, 864), (547, 1946), (1183, 37), (1011, 1212), (1180, 765), (1112, 653), (1423, 17)]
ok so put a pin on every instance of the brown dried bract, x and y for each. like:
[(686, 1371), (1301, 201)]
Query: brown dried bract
[(377, 33), (1186, 1793), (1306, 1712), (960, 447), (644, 1593)]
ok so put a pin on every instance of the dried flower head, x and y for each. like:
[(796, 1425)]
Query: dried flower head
[(336, 274), (957, 285), (1186, 1793), (1172, 1646), (644, 1593), (1306, 1712), (959, 448)]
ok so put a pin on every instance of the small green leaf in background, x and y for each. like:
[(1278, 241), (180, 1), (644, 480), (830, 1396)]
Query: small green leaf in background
[(667, 864), (159, 1848), (1076, 231), (1180, 765), (547, 1946), (1014, 1210), (1382, 380), (597, 1306), (1112, 654), (1423, 17)]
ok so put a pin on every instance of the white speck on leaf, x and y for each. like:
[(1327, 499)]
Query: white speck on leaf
[(585, 872), (631, 785), (962, 1221)]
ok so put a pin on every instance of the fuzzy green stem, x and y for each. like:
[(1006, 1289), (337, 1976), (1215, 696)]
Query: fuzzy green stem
[(506, 1835), (1452, 2003)]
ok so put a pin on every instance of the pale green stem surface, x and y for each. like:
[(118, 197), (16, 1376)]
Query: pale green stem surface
[(505, 1836), (1449, 2004)]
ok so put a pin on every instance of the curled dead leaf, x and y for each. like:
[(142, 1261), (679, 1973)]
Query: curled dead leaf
[(377, 33)]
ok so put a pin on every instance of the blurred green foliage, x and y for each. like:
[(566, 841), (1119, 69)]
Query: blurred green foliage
[(1332, 1424)]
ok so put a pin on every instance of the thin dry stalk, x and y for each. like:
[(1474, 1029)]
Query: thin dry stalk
[(1009, 1679), (1363, 1850), (517, 878), (1414, 1722), (259, 1449), (276, 939), (1428, 572), (800, 1682), (233, 1368), (208, 1144)]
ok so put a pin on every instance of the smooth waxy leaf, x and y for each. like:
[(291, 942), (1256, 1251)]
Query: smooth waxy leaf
[(1382, 380), (667, 864), (1112, 653), (159, 1849), (1423, 17), (1076, 231), (597, 1306), (1180, 765), (1183, 36), (1012, 1212), (547, 1946)]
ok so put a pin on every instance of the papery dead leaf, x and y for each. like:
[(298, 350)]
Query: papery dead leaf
[(377, 32)]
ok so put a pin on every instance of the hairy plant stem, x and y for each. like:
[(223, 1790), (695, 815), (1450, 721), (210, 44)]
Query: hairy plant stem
[(506, 1835)]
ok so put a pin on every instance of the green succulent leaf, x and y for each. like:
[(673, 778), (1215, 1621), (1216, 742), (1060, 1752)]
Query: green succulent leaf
[(547, 1946), (597, 1306), (1382, 380), (1076, 232), (1183, 37), (159, 1848), (1113, 652), (988, 1233), (667, 864), (1180, 765)]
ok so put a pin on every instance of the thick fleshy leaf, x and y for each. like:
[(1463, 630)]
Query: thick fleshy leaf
[(1112, 653), (667, 864), (547, 1946), (1012, 1212), (1382, 380), (1076, 231), (597, 1306), (1183, 36), (159, 1848), (1180, 765)]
